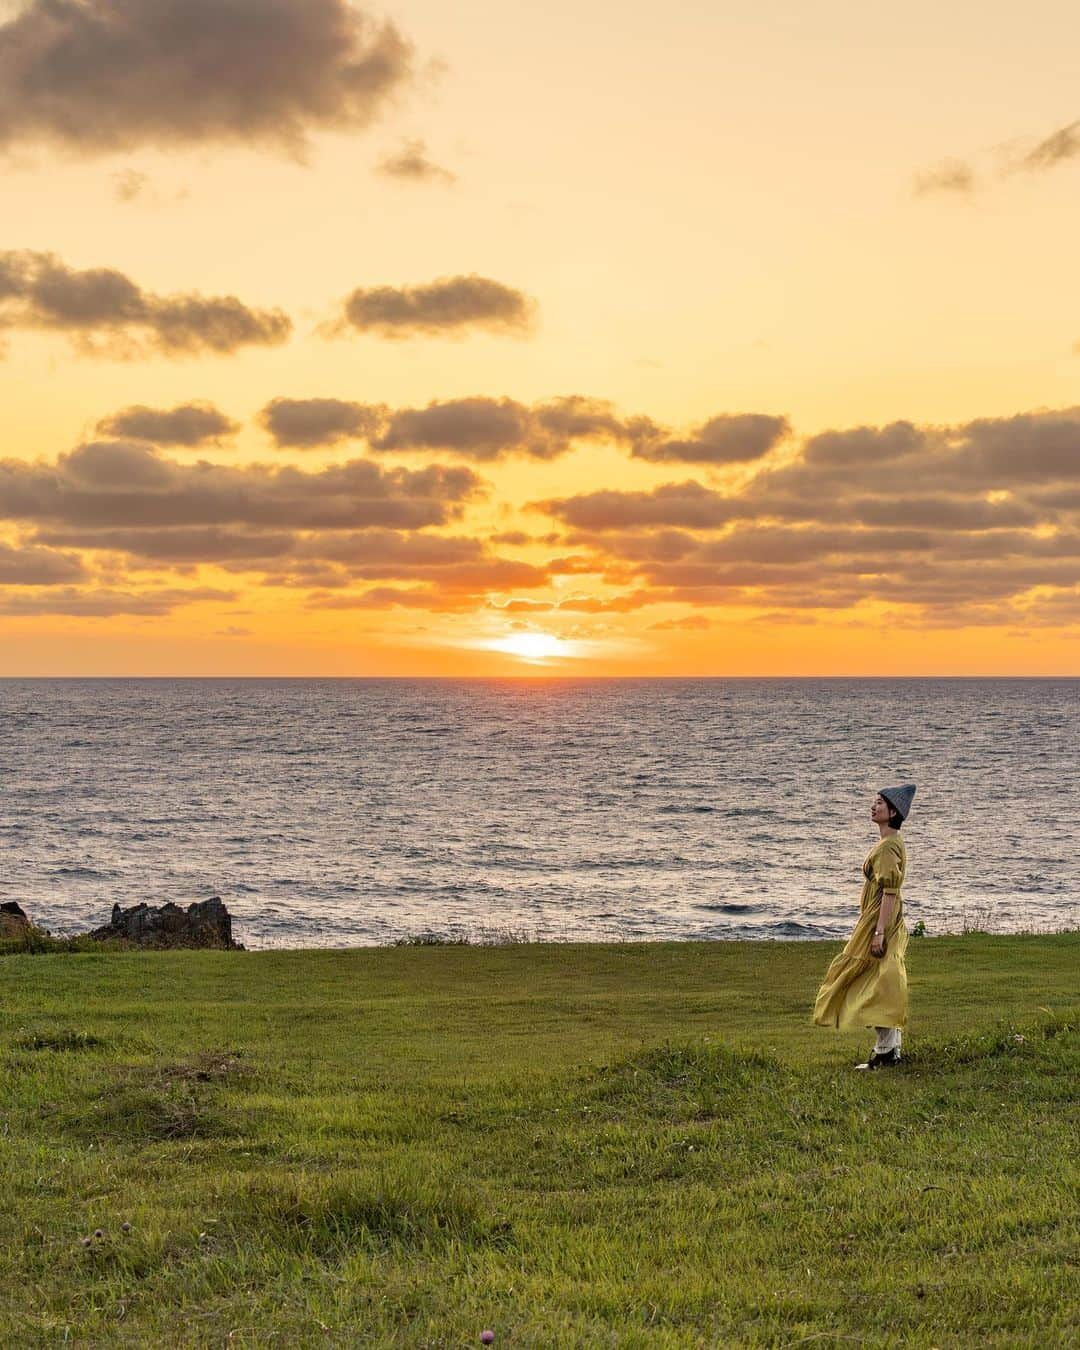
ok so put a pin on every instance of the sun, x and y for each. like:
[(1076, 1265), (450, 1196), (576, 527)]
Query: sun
[(532, 646)]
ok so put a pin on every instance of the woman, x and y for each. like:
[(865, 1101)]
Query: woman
[(866, 986)]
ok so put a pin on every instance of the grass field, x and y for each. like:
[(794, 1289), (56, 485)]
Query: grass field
[(632, 1145)]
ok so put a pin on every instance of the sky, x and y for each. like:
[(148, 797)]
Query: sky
[(488, 339)]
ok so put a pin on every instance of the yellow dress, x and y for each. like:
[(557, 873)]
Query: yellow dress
[(860, 990)]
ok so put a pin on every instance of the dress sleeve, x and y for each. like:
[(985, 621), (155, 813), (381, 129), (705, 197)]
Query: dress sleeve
[(889, 867)]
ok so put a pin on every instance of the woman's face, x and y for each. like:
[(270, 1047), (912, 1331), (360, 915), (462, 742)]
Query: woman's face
[(880, 811)]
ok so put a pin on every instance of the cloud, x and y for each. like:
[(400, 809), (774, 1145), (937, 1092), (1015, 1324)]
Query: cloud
[(183, 546), (308, 423), (958, 177), (133, 185), (688, 504), (451, 564), (396, 597), (450, 587), (478, 428), (105, 313), (929, 518), (127, 484), (392, 550), (728, 439), (614, 604), (481, 428), (34, 565), (447, 306), (105, 603), (690, 623), (484, 428), (129, 184), (189, 424), (952, 176), (522, 606), (1057, 148), (978, 456), (411, 164), (93, 77)]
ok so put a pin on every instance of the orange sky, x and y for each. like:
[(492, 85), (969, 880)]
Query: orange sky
[(485, 340)]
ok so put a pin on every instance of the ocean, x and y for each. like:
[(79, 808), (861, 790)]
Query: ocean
[(333, 813)]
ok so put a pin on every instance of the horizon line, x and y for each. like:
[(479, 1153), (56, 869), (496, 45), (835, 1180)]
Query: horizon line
[(548, 679)]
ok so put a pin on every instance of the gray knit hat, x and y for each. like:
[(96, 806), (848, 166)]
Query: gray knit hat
[(899, 798)]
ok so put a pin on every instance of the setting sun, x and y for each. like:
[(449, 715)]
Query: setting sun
[(532, 646)]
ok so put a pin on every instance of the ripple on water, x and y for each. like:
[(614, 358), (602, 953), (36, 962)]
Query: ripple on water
[(362, 810)]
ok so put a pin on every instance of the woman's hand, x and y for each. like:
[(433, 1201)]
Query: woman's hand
[(884, 919)]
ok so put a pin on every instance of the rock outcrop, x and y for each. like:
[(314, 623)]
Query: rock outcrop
[(13, 921), (206, 923)]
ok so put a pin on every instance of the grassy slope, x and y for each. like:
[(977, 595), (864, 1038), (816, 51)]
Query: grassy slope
[(575, 1145)]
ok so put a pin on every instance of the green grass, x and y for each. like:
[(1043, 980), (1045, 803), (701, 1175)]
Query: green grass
[(628, 1145)]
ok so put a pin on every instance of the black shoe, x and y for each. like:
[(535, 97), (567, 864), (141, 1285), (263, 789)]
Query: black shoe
[(881, 1059)]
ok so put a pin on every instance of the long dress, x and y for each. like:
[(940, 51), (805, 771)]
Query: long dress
[(861, 990)]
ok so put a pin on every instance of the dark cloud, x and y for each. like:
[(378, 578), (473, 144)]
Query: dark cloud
[(864, 447), (1057, 148), (393, 550), (578, 418), (687, 504), (412, 164), (105, 313), (728, 439), (482, 428), (307, 423), (489, 428), (958, 177), (119, 484), (479, 577), (34, 565), (963, 513), (454, 564), (105, 603), (983, 513), (449, 305), (485, 428), (987, 454), (97, 76), (179, 546), (189, 424), (952, 176)]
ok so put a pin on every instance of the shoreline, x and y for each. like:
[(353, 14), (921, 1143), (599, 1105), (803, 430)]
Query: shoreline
[(65, 945)]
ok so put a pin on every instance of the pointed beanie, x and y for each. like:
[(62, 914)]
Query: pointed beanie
[(899, 798)]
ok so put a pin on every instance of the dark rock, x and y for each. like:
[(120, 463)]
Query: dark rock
[(207, 923), (13, 920)]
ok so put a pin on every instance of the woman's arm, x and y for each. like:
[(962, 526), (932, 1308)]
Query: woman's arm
[(885, 913)]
